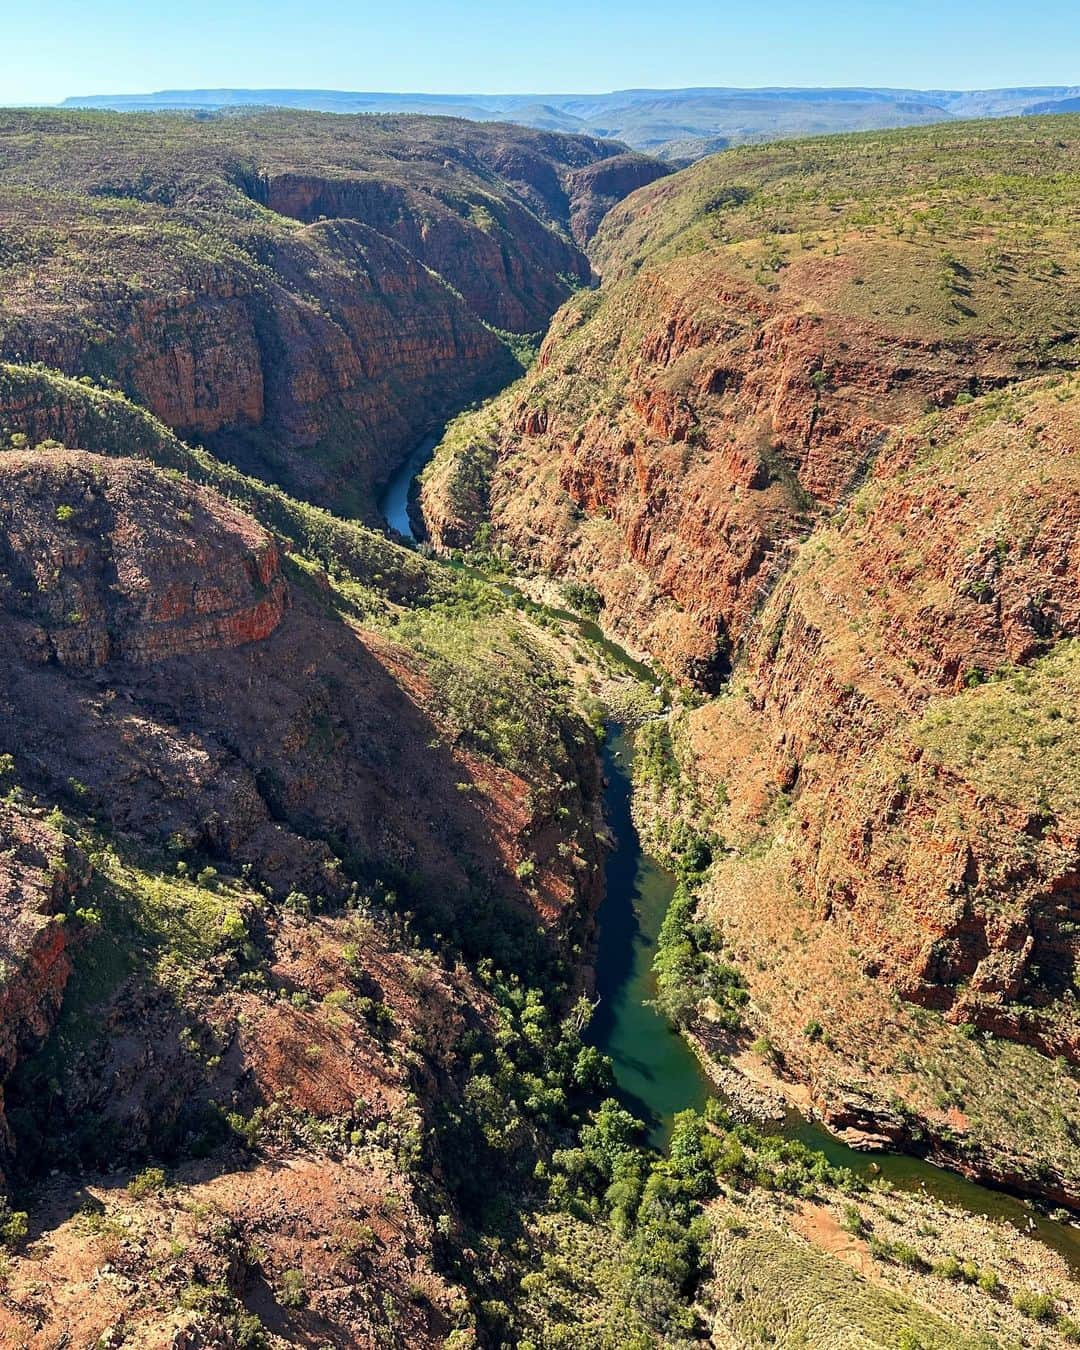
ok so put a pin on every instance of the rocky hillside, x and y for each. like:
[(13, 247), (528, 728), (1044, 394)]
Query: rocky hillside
[(802, 448), (241, 799), (100, 563), (895, 761), (308, 293), (301, 831), (766, 318)]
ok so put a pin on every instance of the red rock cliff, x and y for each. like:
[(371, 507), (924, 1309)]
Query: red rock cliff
[(104, 560)]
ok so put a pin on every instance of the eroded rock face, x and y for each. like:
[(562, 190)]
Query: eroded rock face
[(795, 442), (921, 791), (308, 294), (896, 766), (511, 270), (722, 448), (39, 871), (104, 561), (751, 348), (277, 1000)]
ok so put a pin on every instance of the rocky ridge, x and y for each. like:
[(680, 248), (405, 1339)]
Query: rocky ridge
[(202, 932), (751, 348), (733, 449)]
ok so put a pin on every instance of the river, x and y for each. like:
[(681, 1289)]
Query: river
[(394, 502), (655, 1070)]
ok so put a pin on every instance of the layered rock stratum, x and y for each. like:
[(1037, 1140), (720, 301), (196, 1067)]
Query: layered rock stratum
[(310, 294), (766, 319), (803, 448), (300, 831)]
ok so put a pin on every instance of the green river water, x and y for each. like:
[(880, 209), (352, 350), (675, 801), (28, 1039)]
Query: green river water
[(656, 1072)]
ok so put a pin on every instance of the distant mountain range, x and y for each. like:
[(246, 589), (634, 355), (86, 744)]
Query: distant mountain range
[(677, 124)]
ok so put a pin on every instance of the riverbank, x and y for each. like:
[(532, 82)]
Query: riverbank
[(657, 1071)]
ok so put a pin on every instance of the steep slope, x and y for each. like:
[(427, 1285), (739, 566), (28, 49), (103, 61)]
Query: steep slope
[(765, 319), (95, 568), (273, 790), (727, 451), (308, 293), (896, 761), (301, 844)]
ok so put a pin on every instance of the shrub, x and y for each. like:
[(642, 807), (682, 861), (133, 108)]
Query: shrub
[(1039, 1307), (583, 597), (13, 1226), (853, 1221), (147, 1182), (900, 1253), (293, 1293)]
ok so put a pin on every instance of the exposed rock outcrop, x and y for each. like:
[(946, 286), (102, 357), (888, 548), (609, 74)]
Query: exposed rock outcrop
[(105, 561), (744, 361), (735, 444), (39, 871)]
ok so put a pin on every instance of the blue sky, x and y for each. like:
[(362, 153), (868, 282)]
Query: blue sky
[(54, 48)]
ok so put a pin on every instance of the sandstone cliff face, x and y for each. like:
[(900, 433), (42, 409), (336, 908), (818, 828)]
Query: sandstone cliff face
[(866, 673), (233, 732), (681, 430), (596, 188), (39, 870), (898, 802), (510, 267), (731, 443), (301, 371), (310, 294), (280, 808)]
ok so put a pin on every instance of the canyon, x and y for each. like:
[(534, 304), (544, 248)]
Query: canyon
[(813, 461), (304, 821), (306, 302)]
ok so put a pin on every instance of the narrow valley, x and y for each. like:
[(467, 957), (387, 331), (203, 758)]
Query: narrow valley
[(599, 874)]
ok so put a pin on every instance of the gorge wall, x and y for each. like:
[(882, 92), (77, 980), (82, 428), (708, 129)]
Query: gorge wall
[(308, 294), (740, 449)]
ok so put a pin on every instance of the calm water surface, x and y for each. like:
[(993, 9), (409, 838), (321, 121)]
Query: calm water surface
[(656, 1072), (394, 502), (655, 1069)]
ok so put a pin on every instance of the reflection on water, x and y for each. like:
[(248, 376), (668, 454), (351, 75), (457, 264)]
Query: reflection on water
[(394, 503), (655, 1069)]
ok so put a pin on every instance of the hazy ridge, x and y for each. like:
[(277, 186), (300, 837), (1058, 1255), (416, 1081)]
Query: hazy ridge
[(672, 123)]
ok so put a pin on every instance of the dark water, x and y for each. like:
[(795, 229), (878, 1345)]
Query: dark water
[(655, 1069), (394, 502), (656, 1072), (658, 1075)]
